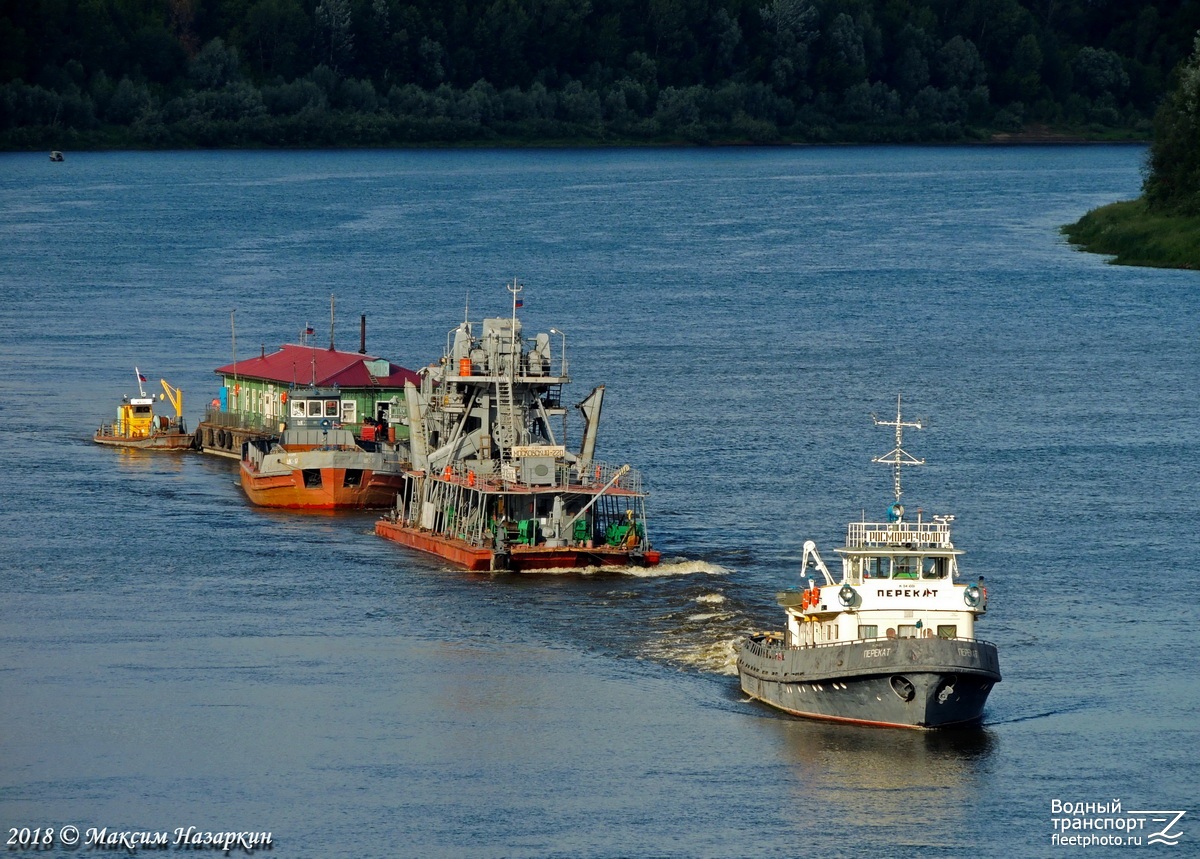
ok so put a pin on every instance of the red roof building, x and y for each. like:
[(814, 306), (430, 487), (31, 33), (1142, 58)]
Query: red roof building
[(254, 391), (302, 366)]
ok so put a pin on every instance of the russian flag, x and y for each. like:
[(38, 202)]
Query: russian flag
[(520, 302), (142, 378)]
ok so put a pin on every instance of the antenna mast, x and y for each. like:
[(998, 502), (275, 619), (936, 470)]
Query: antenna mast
[(233, 333), (515, 288), (898, 456)]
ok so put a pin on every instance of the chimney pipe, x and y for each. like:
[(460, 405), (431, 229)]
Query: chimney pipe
[(362, 335)]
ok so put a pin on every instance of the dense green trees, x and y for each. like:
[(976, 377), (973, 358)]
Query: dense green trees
[(1162, 227), (1173, 176), (368, 72)]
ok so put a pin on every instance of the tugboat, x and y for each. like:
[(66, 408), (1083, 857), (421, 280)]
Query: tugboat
[(491, 487), (317, 464), (889, 643), (137, 425)]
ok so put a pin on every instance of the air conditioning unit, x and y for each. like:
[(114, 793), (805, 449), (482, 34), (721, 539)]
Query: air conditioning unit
[(537, 471)]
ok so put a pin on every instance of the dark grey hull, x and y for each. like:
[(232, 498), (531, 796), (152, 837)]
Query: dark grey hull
[(908, 683)]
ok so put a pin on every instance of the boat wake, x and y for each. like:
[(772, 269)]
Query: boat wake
[(676, 567), (673, 567), (1045, 714), (715, 657), (703, 635)]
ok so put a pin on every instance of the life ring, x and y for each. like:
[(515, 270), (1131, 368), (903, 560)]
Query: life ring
[(972, 596), (283, 397), (325, 424), (846, 596), (229, 439), (815, 599)]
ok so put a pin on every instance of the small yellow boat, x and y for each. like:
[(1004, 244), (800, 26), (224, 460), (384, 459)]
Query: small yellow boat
[(138, 426)]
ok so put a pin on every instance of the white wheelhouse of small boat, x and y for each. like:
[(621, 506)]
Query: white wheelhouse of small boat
[(898, 578)]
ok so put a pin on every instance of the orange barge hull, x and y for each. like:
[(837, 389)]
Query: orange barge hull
[(519, 558), (374, 490)]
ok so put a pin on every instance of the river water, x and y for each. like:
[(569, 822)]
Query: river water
[(174, 657)]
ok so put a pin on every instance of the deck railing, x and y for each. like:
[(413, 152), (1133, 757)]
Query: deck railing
[(594, 477), (241, 420), (866, 534), (775, 641)]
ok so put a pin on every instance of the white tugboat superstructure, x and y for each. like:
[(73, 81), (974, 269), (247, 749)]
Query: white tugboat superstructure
[(892, 640)]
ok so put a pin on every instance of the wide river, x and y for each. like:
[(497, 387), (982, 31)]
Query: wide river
[(174, 658)]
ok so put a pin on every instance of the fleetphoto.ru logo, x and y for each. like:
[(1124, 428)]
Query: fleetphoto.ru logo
[(1104, 824)]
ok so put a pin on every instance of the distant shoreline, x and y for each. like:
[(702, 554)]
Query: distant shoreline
[(115, 139)]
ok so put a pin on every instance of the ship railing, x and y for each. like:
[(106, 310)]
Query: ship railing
[(392, 456), (241, 420), (595, 477), (254, 455), (866, 534), (775, 641), (599, 474)]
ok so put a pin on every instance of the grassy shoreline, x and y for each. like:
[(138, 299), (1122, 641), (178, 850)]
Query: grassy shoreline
[(1133, 235)]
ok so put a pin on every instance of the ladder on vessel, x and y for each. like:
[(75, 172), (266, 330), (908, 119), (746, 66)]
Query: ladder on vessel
[(506, 414)]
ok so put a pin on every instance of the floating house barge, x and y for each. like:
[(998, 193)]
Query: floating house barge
[(252, 402)]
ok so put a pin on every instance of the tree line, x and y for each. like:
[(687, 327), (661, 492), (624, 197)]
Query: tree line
[(160, 73), (1172, 185)]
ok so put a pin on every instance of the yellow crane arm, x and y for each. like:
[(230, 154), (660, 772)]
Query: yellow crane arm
[(175, 396)]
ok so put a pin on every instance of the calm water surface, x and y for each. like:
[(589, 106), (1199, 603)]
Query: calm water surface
[(174, 657)]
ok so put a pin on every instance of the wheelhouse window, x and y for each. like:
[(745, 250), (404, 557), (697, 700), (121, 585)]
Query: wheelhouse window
[(947, 630), (933, 568), (298, 408), (905, 567), (314, 408), (907, 630), (331, 408), (876, 568), (868, 631)]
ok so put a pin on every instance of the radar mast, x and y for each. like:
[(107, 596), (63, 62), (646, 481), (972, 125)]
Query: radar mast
[(898, 456)]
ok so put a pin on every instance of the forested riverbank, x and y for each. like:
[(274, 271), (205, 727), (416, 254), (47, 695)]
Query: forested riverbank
[(304, 73), (1162, 227)]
